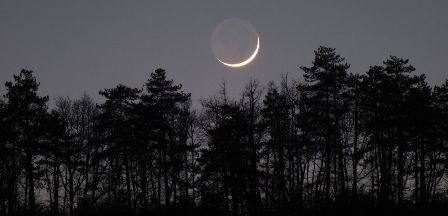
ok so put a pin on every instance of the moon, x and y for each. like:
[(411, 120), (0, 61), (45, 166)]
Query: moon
[(235, 43), (247, 61)]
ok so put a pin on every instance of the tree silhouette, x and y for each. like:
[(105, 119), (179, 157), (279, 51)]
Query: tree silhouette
[(275, 116), (225, 160), (117, 123), (327, 83), (386, 97), (164, 99), (26, 111), (51, 159), (326, 143)]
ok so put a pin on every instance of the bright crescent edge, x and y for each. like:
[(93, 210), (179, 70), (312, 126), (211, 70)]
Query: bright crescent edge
[(246, 61)]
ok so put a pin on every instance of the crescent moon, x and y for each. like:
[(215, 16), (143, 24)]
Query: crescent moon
[(247, 61)]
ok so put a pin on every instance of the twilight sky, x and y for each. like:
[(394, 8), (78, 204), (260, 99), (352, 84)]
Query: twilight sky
[(86, 46)]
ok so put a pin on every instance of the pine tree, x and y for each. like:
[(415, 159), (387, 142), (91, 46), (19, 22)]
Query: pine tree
[(26, 110), (117, 121), (327, 83), (163, 101)]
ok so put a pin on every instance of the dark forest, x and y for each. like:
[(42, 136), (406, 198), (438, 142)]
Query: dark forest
[(329, 142)]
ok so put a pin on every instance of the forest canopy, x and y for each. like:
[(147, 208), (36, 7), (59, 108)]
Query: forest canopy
[(334, 141)]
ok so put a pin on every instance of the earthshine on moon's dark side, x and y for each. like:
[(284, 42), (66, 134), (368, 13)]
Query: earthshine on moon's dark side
[(235, 42), (223, 108)]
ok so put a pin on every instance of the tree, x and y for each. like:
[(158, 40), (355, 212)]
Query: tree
[(275, 115), (79, 150), (225, 158), (327, 83), (26, 110), (51, 152), (251, 105), (162, 107), (388, 94), (117, 121), (5, 153)]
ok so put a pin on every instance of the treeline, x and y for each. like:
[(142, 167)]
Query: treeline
[(332, 141)]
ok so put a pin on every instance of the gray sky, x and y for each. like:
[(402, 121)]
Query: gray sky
[(85, 46)]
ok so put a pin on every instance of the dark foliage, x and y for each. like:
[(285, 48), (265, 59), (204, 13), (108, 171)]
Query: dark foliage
[(334, 143)]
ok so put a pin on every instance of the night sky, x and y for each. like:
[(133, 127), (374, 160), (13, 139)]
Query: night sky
[(86, 46)]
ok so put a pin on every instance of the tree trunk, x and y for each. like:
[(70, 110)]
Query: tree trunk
[(55, 207), (355, 157), (128, 186), (30, 179), (12, 188), (423, 191), (166, 180), (71, 192), (400, 174), (144, 183)]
